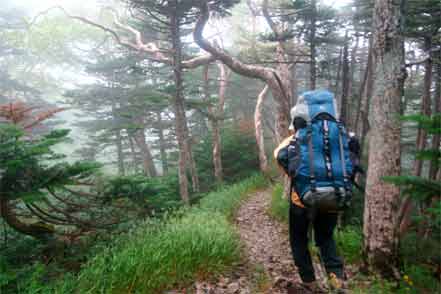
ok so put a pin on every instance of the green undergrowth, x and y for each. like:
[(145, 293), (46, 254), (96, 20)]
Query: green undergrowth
[(226, 200), (195, 242), (414, 280), (349, 243), (279, 207)]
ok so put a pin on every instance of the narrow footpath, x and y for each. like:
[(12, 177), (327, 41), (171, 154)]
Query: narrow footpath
[(268, 266), (266, 242)]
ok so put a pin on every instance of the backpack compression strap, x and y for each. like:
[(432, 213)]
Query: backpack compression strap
[(312, 180), (327, 149), (342, 157)]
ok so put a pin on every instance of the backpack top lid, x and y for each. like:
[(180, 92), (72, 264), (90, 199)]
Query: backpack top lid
[(312, 103)]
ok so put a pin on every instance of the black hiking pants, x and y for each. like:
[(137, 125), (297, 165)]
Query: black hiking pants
[(324, 225)]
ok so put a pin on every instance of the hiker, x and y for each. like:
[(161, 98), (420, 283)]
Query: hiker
[(321, 182)]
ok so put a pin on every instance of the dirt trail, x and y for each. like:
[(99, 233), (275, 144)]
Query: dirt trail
[(266, 242), (269, 267)]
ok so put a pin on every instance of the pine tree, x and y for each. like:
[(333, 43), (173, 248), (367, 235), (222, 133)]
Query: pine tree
[(40, 194), (422, 189)]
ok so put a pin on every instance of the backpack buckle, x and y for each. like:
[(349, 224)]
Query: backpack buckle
[(312, 182)]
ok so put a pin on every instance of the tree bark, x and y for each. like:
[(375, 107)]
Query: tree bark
[(425, 107), (192, 166), (148, 165), (312, 44), (120, 153), (162, 145), (294, 86), (217, 160), (337, 77), (283, 68), (133, 151), (118, 140), (433, 167), (215, 117), (258, 124), (381, 200), (217, 151), (362, 122), (345, 82), (349, 114), (179, 108)]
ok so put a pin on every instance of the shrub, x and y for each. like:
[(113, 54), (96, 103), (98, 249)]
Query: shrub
[(239, 156), (349, 243), (152, 194), (194, 242), (419, 277)]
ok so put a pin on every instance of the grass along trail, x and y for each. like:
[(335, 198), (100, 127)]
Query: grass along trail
[(268, 266)]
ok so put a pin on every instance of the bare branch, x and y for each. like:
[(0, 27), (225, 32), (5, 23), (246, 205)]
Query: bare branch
[(233, 63), (159, 55)]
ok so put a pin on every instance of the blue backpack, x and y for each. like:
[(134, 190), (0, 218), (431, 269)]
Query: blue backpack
[(318, 156)]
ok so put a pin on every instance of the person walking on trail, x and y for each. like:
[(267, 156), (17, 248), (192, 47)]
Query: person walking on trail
[(321, 159)]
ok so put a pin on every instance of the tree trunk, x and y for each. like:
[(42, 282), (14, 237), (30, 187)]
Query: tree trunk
[(217, 160), (294, 86), (215, 117), (312, 67), (345, 83), (148, 165), (283, 75), (162, 145), (265, 74), (349, 114), (381, 200), (433, 167), (217, 125), (258, 124), (118, 140), (192, 167), (120, 153), (337, 77), (362, 122), (179, 109), (425, 107), (133, 151)]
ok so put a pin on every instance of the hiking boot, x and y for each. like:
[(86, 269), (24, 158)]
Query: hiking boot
[(336, 284), (312, 287)]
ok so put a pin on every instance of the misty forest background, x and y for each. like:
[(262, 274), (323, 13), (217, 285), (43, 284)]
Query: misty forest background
[(130, 132)]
